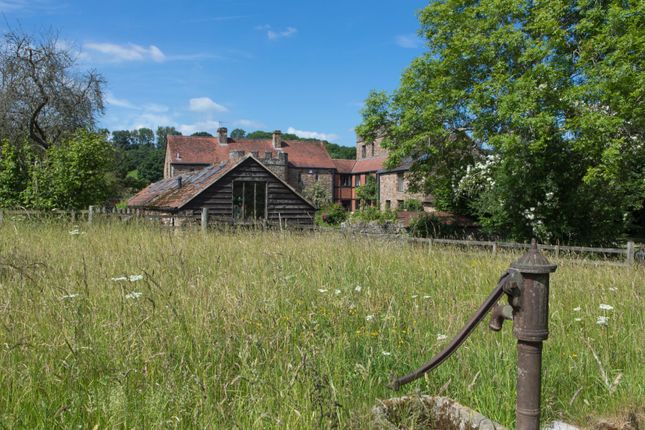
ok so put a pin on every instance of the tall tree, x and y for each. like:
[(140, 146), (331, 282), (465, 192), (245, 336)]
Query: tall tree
[(542, 101), (42, 95), (238, 133), (163, 133)]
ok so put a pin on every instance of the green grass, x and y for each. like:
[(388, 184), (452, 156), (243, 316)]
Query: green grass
[(248, 330)]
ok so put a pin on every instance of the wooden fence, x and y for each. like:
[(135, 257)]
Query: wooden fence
[(628, 253)]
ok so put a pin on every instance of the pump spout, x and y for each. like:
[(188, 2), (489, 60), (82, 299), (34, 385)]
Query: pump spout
[(490, 301)]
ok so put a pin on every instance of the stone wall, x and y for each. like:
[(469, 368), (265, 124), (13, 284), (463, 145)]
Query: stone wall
[(372, 149), (388, 191), (301, 178)]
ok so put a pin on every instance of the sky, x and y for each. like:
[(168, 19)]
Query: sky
[(299, 66)]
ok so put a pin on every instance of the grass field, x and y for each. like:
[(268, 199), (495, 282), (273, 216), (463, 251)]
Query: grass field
[(268, 330)]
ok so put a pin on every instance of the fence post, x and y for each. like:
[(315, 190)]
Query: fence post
[(1, 216), (494, 248), (73, 215), (630, 253), (90, 214), (204, 219)]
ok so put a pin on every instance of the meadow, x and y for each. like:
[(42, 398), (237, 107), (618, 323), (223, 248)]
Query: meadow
[(133, 326)]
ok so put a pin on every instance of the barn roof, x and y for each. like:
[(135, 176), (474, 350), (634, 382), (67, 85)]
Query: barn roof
[(208, 150), (168, 195), (369, 165)]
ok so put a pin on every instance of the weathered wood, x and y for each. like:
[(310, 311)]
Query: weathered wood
[(204, 219), (90, 214), (1, 216), (630, 253)]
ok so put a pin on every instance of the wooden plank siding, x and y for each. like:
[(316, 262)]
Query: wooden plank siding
[(283, 204)]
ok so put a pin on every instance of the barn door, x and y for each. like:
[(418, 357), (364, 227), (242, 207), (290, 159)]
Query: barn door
[(249, 200)]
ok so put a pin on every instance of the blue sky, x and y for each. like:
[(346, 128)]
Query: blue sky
[(298, 66)]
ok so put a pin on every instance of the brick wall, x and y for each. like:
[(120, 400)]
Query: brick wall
[(389, 191)]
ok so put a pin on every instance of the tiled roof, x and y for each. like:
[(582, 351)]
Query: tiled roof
[(166, 194), (202, 150), (369, 165), (344, 166)]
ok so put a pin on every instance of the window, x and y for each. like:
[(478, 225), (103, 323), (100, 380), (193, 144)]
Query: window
[(363, 151), (388, 204), (249, 200), (345, 180), (400, 184), (357, 180), (399, 204), (373, 149)]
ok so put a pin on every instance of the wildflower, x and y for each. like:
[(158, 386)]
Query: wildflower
[(133, 295), (414, 296), (135, 278), (386, 353), (358, 289), (75, 232), (427, 297), (369, 318), (442, 337), (322, 290), (337, 292), (69, 296), (613, 289), (577, 319), (602, 320), (577, 309), (120, 278), (605, 307)]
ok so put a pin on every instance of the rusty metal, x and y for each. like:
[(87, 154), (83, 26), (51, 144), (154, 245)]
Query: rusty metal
[(526, 285)]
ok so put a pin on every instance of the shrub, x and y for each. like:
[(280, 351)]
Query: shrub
[(412, 205), (332, 214), (373, 214), (431, 226)]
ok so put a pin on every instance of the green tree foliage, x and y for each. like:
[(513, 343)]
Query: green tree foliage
[(541, 100), (202, 134), (334, 150), (15, 164), (367, 193), (340, 152), (238, 133), (72, 175), (162, 135)]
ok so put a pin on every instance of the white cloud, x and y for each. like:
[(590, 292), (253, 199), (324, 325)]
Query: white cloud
[(276, 34), (150, 120), (113, 101), (408, 41), (29, 5), (112, 52), (208, 125), (312, 134), (155, 107), (248, 123), (205, 104)]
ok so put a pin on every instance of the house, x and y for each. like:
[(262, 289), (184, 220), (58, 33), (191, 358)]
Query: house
[(215, 172), (392, 185), (239, 189)]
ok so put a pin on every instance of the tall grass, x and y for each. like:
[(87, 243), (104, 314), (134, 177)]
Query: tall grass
[(270, 330)]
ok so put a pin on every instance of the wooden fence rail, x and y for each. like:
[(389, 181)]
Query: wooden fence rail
[(204, 220)]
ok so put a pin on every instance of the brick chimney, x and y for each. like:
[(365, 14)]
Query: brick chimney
[(222, 135), (277, 139)]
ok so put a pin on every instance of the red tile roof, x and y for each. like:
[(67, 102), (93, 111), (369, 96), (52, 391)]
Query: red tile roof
[(369, 165), (344, 166), (208, 150)]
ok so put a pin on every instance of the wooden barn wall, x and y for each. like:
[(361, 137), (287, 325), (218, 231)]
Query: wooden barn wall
[(283, 204)]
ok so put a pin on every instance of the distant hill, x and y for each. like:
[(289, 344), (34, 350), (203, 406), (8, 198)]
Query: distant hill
[(335, 150)]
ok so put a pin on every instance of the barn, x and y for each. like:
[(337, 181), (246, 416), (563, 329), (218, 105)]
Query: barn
[(239, 190)]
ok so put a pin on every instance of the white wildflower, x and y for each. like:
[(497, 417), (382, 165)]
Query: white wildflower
[(352, 306), (578, 309), (337, 292), (442, 337), (414, 296), (135, 278), (427, 297), (386, 353), (120, 278), (577, 319), (358, 289), (602, 320), (133, 295), (322, 290), (69, 296), (605, 307), (613, 289), (369, 318)]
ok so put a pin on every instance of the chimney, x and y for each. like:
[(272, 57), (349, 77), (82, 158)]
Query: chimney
[(222, 134), (277, 139), (235, 156)]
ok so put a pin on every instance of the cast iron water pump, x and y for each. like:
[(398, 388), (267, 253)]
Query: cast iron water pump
[(526, 283)]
